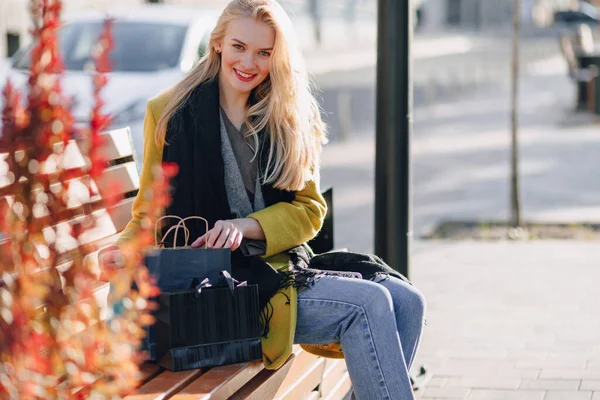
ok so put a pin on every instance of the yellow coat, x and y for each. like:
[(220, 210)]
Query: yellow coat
[(285, 225)]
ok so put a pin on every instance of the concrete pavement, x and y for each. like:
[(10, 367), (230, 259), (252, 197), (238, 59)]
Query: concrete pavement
[(510, 320)]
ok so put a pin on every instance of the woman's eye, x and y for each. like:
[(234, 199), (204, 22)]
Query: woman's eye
[(238, 46), (265, 53)]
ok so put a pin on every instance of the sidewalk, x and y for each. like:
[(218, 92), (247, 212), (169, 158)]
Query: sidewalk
[(506, 320), (510, 320)]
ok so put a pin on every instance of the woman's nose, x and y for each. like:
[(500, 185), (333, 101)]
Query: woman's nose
[(247, 60)]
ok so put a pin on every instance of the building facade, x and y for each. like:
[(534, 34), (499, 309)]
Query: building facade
[(477, 14)]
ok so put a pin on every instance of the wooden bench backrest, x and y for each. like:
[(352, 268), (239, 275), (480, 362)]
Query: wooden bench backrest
[(121, 168)]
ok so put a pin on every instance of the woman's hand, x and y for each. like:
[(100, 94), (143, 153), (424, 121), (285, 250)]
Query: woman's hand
[(226, 234), (110, 261)]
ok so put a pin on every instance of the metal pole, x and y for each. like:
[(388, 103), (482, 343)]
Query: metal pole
[(515, 192), (315, 13), (393, 225)]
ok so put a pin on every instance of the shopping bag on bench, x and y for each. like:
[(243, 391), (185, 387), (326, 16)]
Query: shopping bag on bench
[(203, 318), (208, 326), (181, 268)]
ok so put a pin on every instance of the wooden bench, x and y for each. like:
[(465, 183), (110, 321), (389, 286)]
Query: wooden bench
[(121, 168), (304, 376), (576, 47)]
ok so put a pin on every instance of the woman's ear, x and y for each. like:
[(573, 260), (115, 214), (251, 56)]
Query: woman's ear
[(218, 47)]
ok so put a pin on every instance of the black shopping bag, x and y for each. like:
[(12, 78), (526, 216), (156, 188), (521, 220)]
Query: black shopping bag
[(182, 268), (208, 327)]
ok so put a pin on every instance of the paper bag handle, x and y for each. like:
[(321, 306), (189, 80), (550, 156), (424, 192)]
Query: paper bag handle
[(187, 237), (180, 224), (157, 226)]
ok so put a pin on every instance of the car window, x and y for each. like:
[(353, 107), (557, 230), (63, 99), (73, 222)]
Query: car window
[(138, 46), (588, 9)]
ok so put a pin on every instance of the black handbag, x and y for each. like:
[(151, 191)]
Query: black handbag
[(199, 325)]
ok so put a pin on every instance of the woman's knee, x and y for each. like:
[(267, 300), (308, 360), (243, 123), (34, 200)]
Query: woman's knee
[(417, 302), (407, 299), (379, 300)]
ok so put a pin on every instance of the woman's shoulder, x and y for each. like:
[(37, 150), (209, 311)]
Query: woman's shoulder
[(158, 103)]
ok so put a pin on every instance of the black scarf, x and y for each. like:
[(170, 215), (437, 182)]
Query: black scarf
[(194, 144)]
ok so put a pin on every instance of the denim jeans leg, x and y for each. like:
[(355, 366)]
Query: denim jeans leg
[(409, 308), (360, 315)]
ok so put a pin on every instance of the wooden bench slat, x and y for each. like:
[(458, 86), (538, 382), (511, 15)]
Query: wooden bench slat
[(165, 385), (121, 213), (220, 382), (303, 363), (117, 144), (265, 385), (106, 226), (341, 389), (304, 384), (334, 373), (125, 174), (148, 371), (313, 396), (78, 194)]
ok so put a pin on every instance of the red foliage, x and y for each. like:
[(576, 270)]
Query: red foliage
[(54, 342)]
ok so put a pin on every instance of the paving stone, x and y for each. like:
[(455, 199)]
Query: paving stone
[(469, 353), (479, 394), (484, 382), (569, 374), (477, 368), (568, 395), (445, 393), (549, 384), (596, 396), (541, 364), (437, 382), (590, 384)]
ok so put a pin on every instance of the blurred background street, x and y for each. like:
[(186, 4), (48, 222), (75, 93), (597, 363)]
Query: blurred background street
[(506, 320)]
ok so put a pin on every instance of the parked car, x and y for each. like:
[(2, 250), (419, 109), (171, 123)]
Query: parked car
[(586, 13), (155, 45)]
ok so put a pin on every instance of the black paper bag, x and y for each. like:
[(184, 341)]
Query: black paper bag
[(176, 269), (216, 326), (181, 269)]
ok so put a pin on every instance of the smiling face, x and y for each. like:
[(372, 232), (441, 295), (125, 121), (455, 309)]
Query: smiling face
[(245, 54)]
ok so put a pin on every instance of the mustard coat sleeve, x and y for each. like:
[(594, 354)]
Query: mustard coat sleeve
[(151, 158), (288, 225)]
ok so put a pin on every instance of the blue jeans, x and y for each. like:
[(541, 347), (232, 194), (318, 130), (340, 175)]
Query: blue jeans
[(378, 325)]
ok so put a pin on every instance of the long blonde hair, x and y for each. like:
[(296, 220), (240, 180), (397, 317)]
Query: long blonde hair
[(284, 103)]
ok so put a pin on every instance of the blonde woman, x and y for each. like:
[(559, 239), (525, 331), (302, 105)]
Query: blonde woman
[(247, 134)]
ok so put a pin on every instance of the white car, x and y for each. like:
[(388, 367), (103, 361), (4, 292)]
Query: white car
[(154, 46)]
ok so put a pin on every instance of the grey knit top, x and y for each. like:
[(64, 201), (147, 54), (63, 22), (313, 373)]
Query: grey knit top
[(241, 170)]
